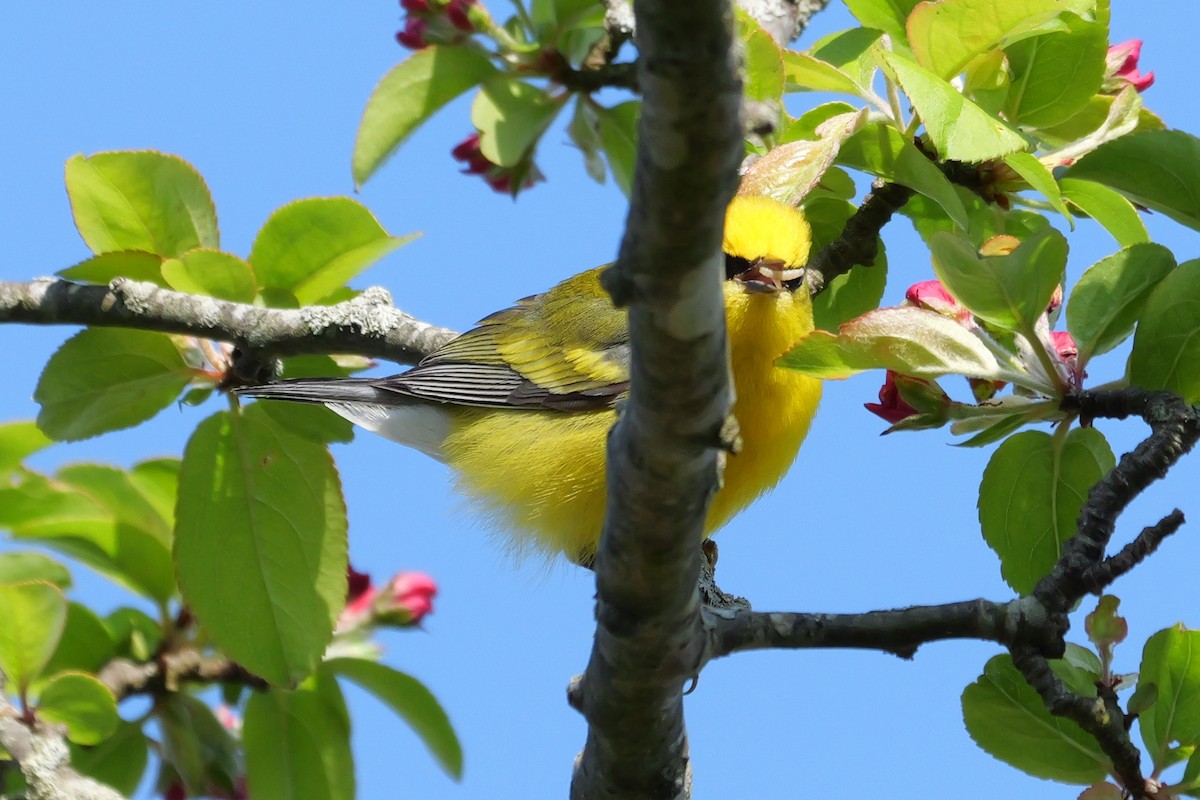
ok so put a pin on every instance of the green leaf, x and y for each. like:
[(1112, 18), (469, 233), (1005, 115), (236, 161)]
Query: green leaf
[(916, 342), (806, 73), (197, 745), (135, 635), (312, 247), (790, 171), (762, 60), (1029, 500), (1009, 291), (1056, 74), (409, 94), (105, 379), (119, 761), (1005, 716), (1116, 214), (18, 441), (141, 550), (618, 132), (1157, 169), (1109, 298), (851, 51), (157, 480), (881, 150), (102, 269), (20, 567), (945, 36), (140, 200), (985, 220), (1171, 661), (852, 293), (85, 646), (511, 115), (298, 743), (584, 130), (82, 703), (960, 130), (1035, 173), (210, 272), (34, 615), (1166, 347), (410, 700), (885, 15), (311, 421), (1113, 113), (261, 509)]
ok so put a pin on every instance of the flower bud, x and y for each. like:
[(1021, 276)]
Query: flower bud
[(406, 599), (413, 35), (415, 6), (891, 406), (458, 12), (933, 296), (1121, 68)]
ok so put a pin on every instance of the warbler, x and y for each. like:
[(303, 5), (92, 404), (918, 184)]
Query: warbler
[(520, 406)]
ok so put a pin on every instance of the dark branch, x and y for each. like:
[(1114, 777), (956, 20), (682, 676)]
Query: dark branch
[(859, 242), (166, 674), (1101, 575), (368, 325), (899, 631), (662, 455)]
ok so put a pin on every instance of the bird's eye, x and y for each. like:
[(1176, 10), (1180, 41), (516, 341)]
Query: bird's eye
[(735, 265)]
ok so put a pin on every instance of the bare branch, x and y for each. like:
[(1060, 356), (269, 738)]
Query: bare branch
[(368, 325), (42, 754), (1101, 575), (662, 455), (900, 631), (859, 242), (169, 671)]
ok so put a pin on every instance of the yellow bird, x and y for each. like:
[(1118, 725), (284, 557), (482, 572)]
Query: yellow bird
[(520, 407)]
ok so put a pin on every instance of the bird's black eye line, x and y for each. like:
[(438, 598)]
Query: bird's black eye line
[(735, 265)]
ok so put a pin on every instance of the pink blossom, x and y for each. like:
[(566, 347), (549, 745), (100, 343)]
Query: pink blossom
[(1122, 61), (1064, 345), (413, 35), (891, 406), (933, 296), (411, 593), (458, 12)]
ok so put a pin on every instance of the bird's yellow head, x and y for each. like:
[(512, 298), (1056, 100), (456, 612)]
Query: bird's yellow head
[(766, 244)]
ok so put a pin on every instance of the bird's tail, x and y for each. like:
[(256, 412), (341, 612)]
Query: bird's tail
[(326, 390)]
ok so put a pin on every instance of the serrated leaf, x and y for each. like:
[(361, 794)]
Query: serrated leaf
[(199, 748), (85, 645), (1035, 173), (34, 614), (1166, 346), (762, 60), (885, 15), (1108, 207), (313, 246), (18, 441), (881, 150), (1008, 291), (119, 761), (410, 93), (803, 72), (852, 293), (140, 200), (1006, 718), (1119, 114), (1110, 296), (1171, 661), (298, 743), (851, 51), (1029, 500), (210, 272), (102, 269), (959, 129), (618, 132), (511, 115), (789, 172), (946, 35), (82, 703), (105, 379), (261, 509), (141, 551), (1055, 75), (410, 700), (20, 567), (1157, 169)]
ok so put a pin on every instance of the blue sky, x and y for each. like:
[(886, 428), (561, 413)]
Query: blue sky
[(264, 99)]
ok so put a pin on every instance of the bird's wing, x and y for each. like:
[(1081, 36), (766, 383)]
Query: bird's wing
[(550, 351)]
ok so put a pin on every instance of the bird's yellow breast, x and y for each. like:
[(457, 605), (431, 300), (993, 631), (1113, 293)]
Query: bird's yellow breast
[(541, 473)]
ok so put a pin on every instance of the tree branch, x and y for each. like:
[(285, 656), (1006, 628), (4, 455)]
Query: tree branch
[(859, 240), (368, 325), (42, 754), (169, 671), (662, 455)]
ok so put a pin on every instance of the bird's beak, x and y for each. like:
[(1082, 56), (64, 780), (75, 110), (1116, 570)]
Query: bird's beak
[(768, 275)]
